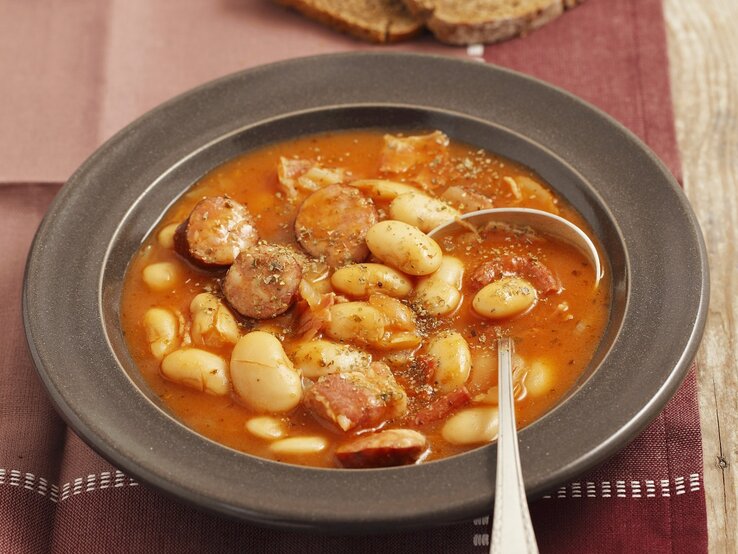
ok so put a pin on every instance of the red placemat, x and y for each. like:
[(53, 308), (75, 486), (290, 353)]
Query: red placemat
[(56, 495)]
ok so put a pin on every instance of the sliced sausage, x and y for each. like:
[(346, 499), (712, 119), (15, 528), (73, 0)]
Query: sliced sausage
[(443, 406), (332, 224), (263, 281), (217, 229), (541, 277), (393, 447), (357, 399)]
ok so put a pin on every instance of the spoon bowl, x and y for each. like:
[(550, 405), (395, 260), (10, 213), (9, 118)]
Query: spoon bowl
[(538, 220)]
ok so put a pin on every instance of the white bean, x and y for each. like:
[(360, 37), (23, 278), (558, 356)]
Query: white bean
[(399, 340), (484, 369), (382, 189), (440, 292), (357, 322), (472, 426), (422, 211), (400, 326), (266, 427), (487, 382), (404, 247), (399, 359), (161, 276), (199, 369), (166, 236), (321, 357), (505, 298), (299, 445), (360, 280), (540, 378), (492, 396), (453, 360), (397, 315), (263, 377), (162, 331), (212, 323)]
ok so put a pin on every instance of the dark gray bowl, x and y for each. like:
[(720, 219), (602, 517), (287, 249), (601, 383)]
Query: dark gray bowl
[(74, 272)]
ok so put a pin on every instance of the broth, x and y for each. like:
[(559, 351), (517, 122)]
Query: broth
[(555, 339)]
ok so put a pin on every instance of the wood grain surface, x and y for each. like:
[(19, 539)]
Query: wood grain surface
[(703, 47)]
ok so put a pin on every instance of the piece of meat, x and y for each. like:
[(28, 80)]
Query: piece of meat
[(294, 174), (313, 316), (357, 399), (541, 277), (263, 281), (466, 200), (216, 231), (401, 154), (393, 447), (288, 171), (332, 222), (443, 406)]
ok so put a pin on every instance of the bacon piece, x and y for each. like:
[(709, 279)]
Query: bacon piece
[(466, 200), (442, 406), (532, 270), (393, 447), (306, 175), (357, 399), (401, 154), (314, 317)]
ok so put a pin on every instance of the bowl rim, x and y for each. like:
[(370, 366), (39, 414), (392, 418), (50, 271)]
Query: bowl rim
[(440, 506)]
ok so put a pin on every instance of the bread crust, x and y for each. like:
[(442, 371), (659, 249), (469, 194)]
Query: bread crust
[(455, 27), (395, 24)]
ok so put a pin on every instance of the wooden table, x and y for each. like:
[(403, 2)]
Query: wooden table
[(703, 47)]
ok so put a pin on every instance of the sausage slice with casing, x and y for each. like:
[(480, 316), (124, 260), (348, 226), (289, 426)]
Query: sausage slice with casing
[(361, 399), (263, 281), (332, 223), (217, 229), (393, 447)]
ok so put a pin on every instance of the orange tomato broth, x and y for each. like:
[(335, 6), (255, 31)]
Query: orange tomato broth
[(562, 331)]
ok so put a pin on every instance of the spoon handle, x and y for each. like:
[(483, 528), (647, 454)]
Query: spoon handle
[(512, 531)]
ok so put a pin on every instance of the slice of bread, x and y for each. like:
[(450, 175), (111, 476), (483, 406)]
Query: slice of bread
[(485, 21), (374, 20)]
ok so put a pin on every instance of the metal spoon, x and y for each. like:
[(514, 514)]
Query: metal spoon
[(512, 530)]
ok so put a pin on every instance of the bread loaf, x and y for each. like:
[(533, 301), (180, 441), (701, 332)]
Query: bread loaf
[(374, 20), (485, 21)]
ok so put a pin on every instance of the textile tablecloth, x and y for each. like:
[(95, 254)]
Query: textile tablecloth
[(75, 72)]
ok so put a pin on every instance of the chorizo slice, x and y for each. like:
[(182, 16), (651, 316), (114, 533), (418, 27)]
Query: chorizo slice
[(540, 276), (393, 447), (263, 281), (332, 222), (216, 231), (357, 399)]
